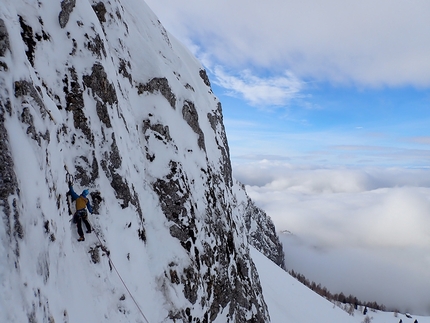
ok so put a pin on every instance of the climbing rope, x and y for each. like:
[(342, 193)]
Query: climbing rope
[(122, 280), (70, 180)]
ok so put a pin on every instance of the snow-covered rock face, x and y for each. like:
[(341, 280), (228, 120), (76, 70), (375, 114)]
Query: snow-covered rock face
[(261, 230), (101, 89)]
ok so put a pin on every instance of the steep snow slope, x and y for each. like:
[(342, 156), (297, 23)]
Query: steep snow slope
[(100, 88), (290, 301)]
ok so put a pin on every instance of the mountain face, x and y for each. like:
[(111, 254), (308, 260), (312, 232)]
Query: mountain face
[(100, 90), (260, 228)]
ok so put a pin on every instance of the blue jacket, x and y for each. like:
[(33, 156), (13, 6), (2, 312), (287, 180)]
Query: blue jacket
[(75, 196)]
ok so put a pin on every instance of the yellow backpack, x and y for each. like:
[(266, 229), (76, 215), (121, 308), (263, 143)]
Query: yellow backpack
[(81, 203)]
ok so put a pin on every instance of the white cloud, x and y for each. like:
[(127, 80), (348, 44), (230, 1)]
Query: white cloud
[(421, 140), (371, 43), (352, 227), (259, 91), (391, 217)]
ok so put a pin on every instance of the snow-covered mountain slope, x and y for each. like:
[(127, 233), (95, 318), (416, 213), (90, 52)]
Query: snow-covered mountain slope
[(101, 89), (290, 301), (261, 230)]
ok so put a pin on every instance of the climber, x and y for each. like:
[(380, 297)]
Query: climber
[(81, 213)]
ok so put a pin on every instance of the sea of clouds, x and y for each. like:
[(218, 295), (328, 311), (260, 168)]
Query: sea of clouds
[(364, 232)]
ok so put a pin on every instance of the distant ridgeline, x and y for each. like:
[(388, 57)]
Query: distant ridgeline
[(339, 297)]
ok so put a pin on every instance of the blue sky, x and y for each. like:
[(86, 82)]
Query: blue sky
[(332, 126), (333, 84)]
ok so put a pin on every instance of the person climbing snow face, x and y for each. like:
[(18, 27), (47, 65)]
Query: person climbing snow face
[(82, 203)]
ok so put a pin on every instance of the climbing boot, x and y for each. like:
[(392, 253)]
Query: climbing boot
[(81, 238), (89, 231)]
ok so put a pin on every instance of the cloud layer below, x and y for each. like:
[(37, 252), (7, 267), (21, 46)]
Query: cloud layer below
[(362, 232)]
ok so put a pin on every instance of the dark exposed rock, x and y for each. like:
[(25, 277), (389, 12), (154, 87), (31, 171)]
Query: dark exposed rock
[(190, 115), (28, 38), (174, 277), (110, 166), (122, 69), (230, 279), (215, 118), (43, 36), (114, 156), (99, 83), (100, 11), (95, 254), (262, 234), (103, 113), (136, 202), (29, 94), (121, 189), (189, 87), (96, 201), (172, 195), (75, 48), (174, 198), (46, 226), (120, 186), (4, 39), (150, 157), (189, 280), (142, 234), (205, 77), (164, 33), (66, 9), (178, 233), (87, 172), (158, 131), (75, 102), (3, 66), (8, 180), (103, 91), (96, 45), (27, 118), (160, 85), (17, 226), (217, 124), (161, 132), (239, 293), (23, 88)]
